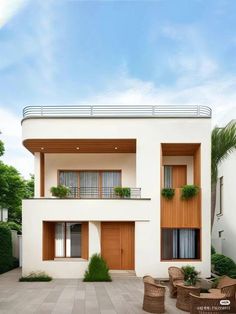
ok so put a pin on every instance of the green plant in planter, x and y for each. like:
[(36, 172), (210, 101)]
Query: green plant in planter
[(190, 275), (122, 192), (189, 191), (168, 193), (60, 191)]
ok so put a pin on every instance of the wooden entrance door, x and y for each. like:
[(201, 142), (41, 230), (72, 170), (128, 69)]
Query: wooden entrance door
[(117, 244), (179, 176)]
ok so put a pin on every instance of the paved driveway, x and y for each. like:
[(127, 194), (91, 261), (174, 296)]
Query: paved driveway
[(73, 296)]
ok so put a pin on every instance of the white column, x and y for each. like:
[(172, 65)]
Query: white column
[(94, 237), (37, 175)]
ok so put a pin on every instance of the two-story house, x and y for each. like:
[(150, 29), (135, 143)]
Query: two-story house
[(92, 150)]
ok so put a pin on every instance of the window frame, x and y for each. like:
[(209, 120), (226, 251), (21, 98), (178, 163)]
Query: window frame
[(221, 190)]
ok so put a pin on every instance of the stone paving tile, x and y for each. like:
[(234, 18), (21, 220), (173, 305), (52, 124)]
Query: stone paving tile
[(73, 296)]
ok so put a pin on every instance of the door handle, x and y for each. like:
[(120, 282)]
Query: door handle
[(121, 251)]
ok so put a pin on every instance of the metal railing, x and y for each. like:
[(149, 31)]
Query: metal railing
[(103, 111), (104, 192)]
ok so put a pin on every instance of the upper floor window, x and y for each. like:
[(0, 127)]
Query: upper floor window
[(221, 182), (175, 176), (91, 184)]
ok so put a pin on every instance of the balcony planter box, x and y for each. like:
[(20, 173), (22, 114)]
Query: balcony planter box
[(122, 192), (60, 191)]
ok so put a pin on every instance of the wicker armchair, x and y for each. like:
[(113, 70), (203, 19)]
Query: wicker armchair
[(206, 303), (227, 286), (176, 276), (154, 296)]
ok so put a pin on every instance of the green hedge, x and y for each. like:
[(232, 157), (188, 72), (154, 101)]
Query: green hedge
[(6, 259), (223, 265)]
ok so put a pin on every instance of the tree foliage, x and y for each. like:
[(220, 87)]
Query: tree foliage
[(223, 143), (6, 260), (2, 149), (13, 188)]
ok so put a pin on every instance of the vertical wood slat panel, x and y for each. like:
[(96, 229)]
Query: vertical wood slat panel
[(178, 213), (42, 174), (127, 245), (48, 240), (197, 167), (85, 240)]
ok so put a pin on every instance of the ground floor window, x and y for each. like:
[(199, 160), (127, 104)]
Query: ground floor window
[(68, 239), (65, 239), (180, 244)]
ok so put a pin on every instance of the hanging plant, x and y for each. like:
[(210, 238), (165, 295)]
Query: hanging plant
[(189, 191), (168, 193)]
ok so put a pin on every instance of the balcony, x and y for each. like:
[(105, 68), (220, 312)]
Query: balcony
[(102, 193), (179, 213)]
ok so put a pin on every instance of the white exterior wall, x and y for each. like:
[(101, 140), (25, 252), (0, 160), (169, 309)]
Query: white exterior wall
[(226, 221), (149, 134), (123, 162)]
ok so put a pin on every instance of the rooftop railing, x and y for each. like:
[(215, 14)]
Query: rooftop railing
[(116, 111)]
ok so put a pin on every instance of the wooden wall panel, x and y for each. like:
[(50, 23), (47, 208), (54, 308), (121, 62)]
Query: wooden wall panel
[(197, 167), (48, 240), (85, 240), (178, 213), (127, 245), (179, 176)]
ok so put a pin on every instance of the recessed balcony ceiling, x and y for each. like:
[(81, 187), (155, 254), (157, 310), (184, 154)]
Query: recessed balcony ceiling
[(179, 149), (81, 145)]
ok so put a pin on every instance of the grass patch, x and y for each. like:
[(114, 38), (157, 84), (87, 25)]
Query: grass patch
[(39, 277), (97, 269)]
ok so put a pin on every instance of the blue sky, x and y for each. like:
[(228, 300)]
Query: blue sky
[(139, 52)]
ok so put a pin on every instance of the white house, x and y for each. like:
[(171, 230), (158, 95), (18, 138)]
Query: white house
[(92, 149), (224, 230)]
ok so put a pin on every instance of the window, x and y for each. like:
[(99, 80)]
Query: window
[(91, 184), (175, 176), (67, 239), (180, 244), (221, 183), (221, 233)]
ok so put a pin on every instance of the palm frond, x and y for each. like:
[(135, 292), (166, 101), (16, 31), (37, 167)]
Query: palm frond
[(223, 143)]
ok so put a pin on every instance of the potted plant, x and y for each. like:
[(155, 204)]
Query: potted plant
[(60, 191), (122, 192), (190, 275), (168, 193), (189, 191)]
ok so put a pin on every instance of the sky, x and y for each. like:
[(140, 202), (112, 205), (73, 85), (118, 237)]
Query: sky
[(113, 52)]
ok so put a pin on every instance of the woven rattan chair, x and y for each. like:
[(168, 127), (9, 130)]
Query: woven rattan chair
[(154, 296), (207, 303), (227, 286), (176, 276), (183, 296)]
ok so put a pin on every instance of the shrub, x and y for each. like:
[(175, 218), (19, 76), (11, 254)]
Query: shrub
[(232, 273), (36, 276), (14, 226), (190, 275), (60, 191), (6, 262), (15, 262), (213, 251), (189, 191), (222, 264), (97, 269), (122, 192), (168, 193)]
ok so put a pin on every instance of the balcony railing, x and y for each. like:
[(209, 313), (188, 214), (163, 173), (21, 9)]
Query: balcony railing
[(106, 111), (103, 193)]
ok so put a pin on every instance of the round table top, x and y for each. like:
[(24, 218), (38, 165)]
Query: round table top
[(182, 285)]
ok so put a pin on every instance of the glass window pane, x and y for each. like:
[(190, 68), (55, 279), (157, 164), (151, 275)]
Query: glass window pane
[(59, 239), (73, 240)]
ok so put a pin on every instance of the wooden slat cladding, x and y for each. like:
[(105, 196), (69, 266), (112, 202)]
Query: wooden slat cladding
[(81, 145), (178, 213), (197, 166), (42, 174), (179, 176), (85, 240), (179, 149), (48, 240)]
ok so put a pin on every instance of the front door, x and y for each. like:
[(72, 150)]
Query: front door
[(117, 244)]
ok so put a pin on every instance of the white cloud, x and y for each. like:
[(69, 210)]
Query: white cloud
[(15, 154), (9, 8)]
